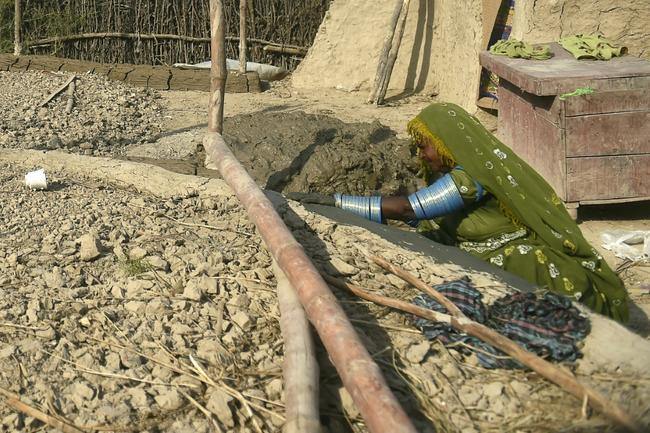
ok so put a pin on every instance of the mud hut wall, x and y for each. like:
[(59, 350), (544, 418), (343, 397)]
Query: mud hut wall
[(625, 22), (439, 49)]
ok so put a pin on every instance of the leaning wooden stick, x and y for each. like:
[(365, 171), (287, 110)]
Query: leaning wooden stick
[(555, 374), (383, 57), (394, 50), (13, 400), (57, 91)]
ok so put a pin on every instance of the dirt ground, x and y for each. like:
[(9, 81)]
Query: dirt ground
[(123, 282)]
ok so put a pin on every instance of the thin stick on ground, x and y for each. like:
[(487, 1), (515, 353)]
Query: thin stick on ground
[(419, 284), (57, 91), (13, 400), (555, 374)]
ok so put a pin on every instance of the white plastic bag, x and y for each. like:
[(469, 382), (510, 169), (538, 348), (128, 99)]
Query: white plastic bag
[(623, 244), (266, 72)]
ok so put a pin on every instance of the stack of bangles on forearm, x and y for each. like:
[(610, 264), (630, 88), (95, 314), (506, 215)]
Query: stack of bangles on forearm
[(366, 207)]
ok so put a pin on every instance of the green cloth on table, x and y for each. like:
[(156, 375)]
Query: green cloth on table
[(591, 47), (522, 225), (518, 49)]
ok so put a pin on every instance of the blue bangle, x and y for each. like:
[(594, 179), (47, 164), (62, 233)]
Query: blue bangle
[(366, 207), (438, 199)]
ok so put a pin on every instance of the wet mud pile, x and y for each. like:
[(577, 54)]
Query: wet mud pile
[(296, 151)]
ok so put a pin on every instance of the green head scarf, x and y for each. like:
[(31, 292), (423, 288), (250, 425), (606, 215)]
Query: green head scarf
[(524, 196)]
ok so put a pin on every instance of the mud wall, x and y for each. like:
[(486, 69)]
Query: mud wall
[(625, 22), (439, 51), (438, 54)]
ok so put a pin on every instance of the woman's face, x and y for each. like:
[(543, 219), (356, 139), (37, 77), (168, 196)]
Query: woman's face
[(430, 156)]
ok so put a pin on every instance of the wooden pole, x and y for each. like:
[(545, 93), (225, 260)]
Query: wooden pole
[(242, 36), (300, 368), (394, 50), (18, 27), (218, 66), (383, 56), (359, 372)]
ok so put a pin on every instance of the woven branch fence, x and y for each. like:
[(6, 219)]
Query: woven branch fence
[(281, 22)]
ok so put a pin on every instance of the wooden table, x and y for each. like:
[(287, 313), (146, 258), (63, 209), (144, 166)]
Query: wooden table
[(592, 149)]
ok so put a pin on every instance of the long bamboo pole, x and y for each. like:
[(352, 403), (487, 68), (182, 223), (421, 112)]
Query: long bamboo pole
[(218, 66), (242, 36), (18, 28), (359, 373), (300, 367)]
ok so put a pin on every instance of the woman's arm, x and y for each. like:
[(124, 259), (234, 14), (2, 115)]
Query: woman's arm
[(397, 208)]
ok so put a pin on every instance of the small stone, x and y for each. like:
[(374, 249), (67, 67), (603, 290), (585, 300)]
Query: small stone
[(469, 395), (219, 405), (135, 287), (54, 279), (520, 388), (193, 290), (113, 362), (139, 398), (417, 352), (274, 389), (209, 349), (157, 262), (79, 393), (130, 359), (7, 351), (493, 389), (90, 247), (341, 267), (169, 399), (47, 333), (242, 320), (137, 253), (451, 371), (136, 307), (396, 281)]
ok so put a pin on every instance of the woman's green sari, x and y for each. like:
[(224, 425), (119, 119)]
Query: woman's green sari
[(560, 257)]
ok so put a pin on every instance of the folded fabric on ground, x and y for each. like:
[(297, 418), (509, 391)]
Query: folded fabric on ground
[(517, 49), (549, 326), (591, 47)]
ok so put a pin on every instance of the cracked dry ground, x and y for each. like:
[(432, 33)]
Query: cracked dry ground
[(104, 295)]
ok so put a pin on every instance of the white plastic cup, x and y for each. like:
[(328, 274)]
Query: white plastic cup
[(36, 179)]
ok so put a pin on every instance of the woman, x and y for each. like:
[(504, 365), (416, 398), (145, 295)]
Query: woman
[(490, 203)]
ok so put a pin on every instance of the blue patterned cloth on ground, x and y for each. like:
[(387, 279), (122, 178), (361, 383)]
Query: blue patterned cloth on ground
[(548, 326)]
